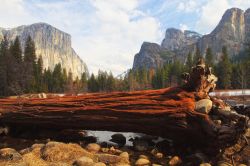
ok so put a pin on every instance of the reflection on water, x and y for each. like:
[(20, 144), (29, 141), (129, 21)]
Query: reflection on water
[(105, 136)]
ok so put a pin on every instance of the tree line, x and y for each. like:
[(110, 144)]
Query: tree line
[(232, 73), (22, 72)]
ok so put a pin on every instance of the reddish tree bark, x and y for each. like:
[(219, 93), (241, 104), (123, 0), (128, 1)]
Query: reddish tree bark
[(166, 112)]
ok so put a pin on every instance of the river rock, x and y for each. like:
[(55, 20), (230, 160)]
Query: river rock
[(9, 154), (159, 155), (109, 158), (143, 156), (4, 130), (93, 148), (124, 155), (142, 161), (37, 146), (99, 164), (140, 145), (197, 158), (205, 164), (119, 139), (72, 135), (24, 151), (114, 151), (223, 163), (89, 139), (105, 150), (84, 161), (122, 164), (248, 133), (174, 161), (203, 106)]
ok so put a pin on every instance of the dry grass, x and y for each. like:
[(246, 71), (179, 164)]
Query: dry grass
[(11, 163), (60, 152), (33, 160)]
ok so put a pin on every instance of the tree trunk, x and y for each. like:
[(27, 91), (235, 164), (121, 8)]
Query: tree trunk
[(166, 112)]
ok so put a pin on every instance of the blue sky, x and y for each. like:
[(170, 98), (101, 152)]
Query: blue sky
[(107, 34)]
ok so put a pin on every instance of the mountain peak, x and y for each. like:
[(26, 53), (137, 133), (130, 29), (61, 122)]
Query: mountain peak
[(232, 31), (52, 44), (173, 30), (231, 16), (176, 39), (248, 10)]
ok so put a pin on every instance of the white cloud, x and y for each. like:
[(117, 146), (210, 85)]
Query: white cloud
[(117, 35), (13, 13), (187, 6), (211, 14)]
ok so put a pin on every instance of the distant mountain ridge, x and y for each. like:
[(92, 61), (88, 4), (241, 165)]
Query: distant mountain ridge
[(232, 31), (52, 44)]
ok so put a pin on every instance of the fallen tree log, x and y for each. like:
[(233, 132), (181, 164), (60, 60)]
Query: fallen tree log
[(166, 112), (162, 112)]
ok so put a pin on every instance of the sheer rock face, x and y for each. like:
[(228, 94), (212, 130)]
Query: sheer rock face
[(53, 45), (175, 39), (232, 31), (151, 55)]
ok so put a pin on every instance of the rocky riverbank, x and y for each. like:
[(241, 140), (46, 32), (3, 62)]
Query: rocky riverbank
[(143, 152)]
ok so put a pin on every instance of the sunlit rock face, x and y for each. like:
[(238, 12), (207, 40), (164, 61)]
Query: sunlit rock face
[(230, 32), (53, 45)]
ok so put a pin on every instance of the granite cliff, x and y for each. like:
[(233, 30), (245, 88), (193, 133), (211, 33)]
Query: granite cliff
[(233, 31), (151, 55), (53, 45), (230, 32)]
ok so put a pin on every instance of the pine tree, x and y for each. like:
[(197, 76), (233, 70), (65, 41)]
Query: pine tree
[(238, 76), (246, 64), (3, 66), (224, 70), (142, 77), (157, 80), (76, 86), (57, 77), (189, 62), (16, 51), (197, 55), (48, 80), (209, 59), (29, 65), (29, 51), (84, 82), (93, 84), (70, 83), (110, 83), (102, 80), (64, 79), (39, 74), (16, 66)]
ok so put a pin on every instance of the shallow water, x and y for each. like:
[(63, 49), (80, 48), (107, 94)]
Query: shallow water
[(238, 92), (105, 136)]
